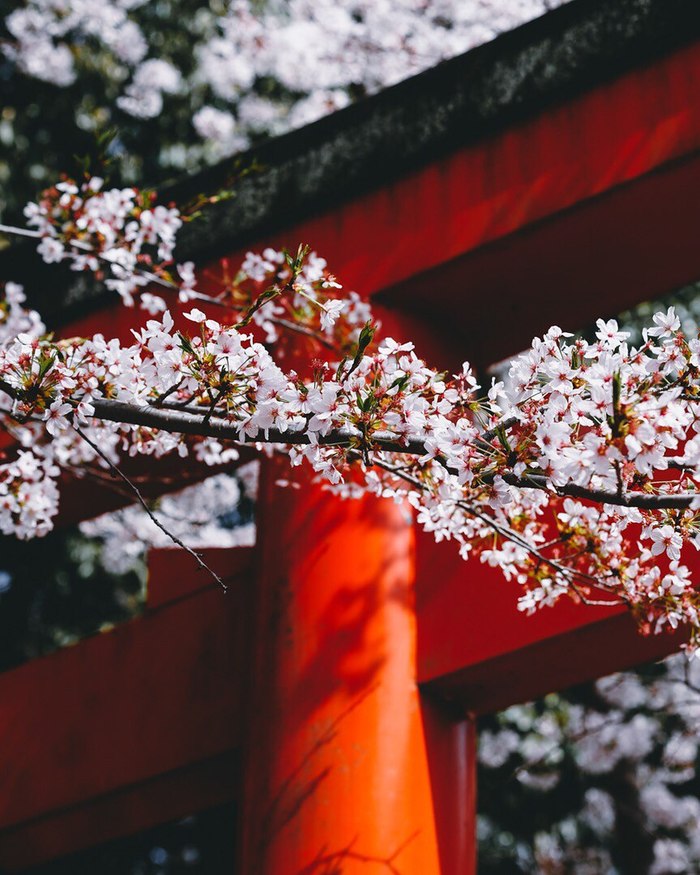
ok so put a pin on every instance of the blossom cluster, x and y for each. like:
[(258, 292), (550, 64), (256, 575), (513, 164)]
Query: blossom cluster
[(122, 236), (117, 232), (15, 318), (316, 304), (28, 494), (45, 31)]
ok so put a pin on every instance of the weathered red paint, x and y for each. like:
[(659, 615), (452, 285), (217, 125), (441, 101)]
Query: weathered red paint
[(346, 763)]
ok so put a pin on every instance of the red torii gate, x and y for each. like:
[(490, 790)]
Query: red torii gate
[(333, 691)]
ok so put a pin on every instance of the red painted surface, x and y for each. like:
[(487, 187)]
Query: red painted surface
[(157, 697), (476, 649), (608, 137), (635, 242), (434, 237), (582, 651), (128, 810), (346, 765)]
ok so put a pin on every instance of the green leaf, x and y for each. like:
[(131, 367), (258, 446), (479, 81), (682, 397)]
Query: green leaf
[(364, 340), (340, 368), (45, 363), (263, 297), (296, 262), (185, 343)]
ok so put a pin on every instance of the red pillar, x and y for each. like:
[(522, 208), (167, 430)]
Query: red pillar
[(347, 769)]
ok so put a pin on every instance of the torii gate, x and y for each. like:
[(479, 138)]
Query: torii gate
[(546, 177)]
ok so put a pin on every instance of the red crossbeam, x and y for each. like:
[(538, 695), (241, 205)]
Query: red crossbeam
[(131, 727)]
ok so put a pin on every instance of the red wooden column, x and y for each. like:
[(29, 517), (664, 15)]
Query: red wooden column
[(347, 769)]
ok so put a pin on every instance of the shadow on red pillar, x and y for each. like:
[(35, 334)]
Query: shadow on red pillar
[(347, 770)]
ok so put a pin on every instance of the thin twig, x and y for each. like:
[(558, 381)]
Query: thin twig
[(511, 535), (20, 232), (158, 402), (136, 491)]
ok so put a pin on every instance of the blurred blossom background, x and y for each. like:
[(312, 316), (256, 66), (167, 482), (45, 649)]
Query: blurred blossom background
[(188, 83)]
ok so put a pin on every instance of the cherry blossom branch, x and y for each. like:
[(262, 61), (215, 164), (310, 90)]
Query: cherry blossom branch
[(677, 501), (20, 232), (577, 445), (192, 294), (207, 425), (184, 422), (123, 233)]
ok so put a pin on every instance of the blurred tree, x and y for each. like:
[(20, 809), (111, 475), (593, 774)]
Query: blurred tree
[(185, 83)]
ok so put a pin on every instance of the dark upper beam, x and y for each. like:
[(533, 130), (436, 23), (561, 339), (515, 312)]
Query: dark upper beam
[(455, 104)]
